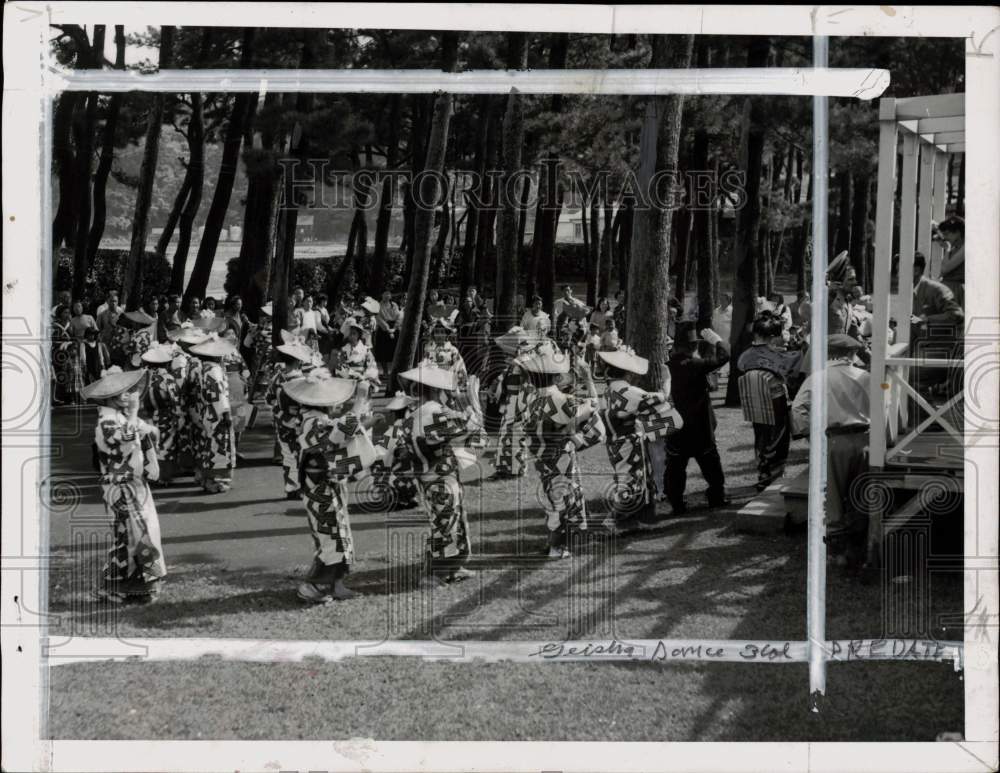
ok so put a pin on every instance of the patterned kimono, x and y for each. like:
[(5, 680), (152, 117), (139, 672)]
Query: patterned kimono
[(163, 399), (127, 458), (218, 444), (356, 361), (118, 346), (558, 426), (287, 417), (263, 367), (191, 404), (392, 478), (138, 342), (427, 439), (633, 417), (324, 468), (447, 356), (512, 442)]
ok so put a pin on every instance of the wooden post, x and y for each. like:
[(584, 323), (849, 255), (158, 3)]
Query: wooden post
[(907, 234), (940, 193), (885, 193), (926, 201)]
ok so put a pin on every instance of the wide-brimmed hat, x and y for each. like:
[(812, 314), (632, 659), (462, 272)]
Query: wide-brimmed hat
[(320, 389), (158, 354), (214, 346), (187, 335), (545, 359), (267, 309), (137, 318), (370, 305), (431, 375), (294, 346), (113, 382), (626, 359), (399, 401), (512, 341), (210, 325)]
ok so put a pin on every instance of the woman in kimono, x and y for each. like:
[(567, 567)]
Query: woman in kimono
[(559, 426), (633, 417), (429, 437), (191, 431), (217, 453), (292, 357), (163, 403), (126, 456), (514, 389), (259, 341), (355, 361), (443, 353), (392, 480), (65, 359), (328, 461)]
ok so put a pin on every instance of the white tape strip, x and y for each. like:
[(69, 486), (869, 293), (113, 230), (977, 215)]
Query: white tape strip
[(83, 649), (860, 83)]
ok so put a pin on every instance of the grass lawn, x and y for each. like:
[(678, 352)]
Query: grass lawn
[(693, 577)]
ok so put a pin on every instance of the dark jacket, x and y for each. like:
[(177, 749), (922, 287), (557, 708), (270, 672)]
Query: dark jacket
[(689, 389)]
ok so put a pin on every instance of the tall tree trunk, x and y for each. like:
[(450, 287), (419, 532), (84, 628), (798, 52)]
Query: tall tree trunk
[(163, 243), (844, 185), (244, 106), (85, 153), (960, 203), (607, 245), (196, 171), (530, 271), (702, 235), (508, 258), (626, 215), (406, 346), (594, 253), (107, 155), (858, 248), (440, 244), (649, 273), (64, 222), (748, 223), (298, 150), (418, 155), (487, 215), (385, 204), (484, 107), (714, 241), (550, 200), (132, 289)]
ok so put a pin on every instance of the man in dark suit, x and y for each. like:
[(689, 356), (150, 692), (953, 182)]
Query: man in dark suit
[(690, 392)]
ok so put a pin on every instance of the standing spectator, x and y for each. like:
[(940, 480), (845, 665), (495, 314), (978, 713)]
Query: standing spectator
[(298, 294), (209, 311), (65, 362), (696, 439), (567, 299), (536, 323), (190, 312), (601, 313), (94, 356), (80, 321), (107, 317), (386, 330)]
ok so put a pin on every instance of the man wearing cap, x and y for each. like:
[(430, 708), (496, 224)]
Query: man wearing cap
[(125, 451), (335, 449), (293, 356), (163, 402), (217, 452), (848, 417), (558, 427), (691, 394), (634, 418)]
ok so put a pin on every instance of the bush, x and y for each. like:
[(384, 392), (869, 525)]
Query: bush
[(108, 273), (311, 274)]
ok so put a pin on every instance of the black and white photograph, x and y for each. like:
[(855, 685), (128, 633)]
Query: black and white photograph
[(418, 384)]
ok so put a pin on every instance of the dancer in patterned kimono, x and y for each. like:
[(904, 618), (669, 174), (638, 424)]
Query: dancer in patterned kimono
[(329, 459), (429, 437), (217, 452), (514, 390), (163, 402), (134, 334), (291, 358), (633, 418), (443, 353), (192, 431), (259, 341), (125, 451), (558, 426), (392, 480)]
